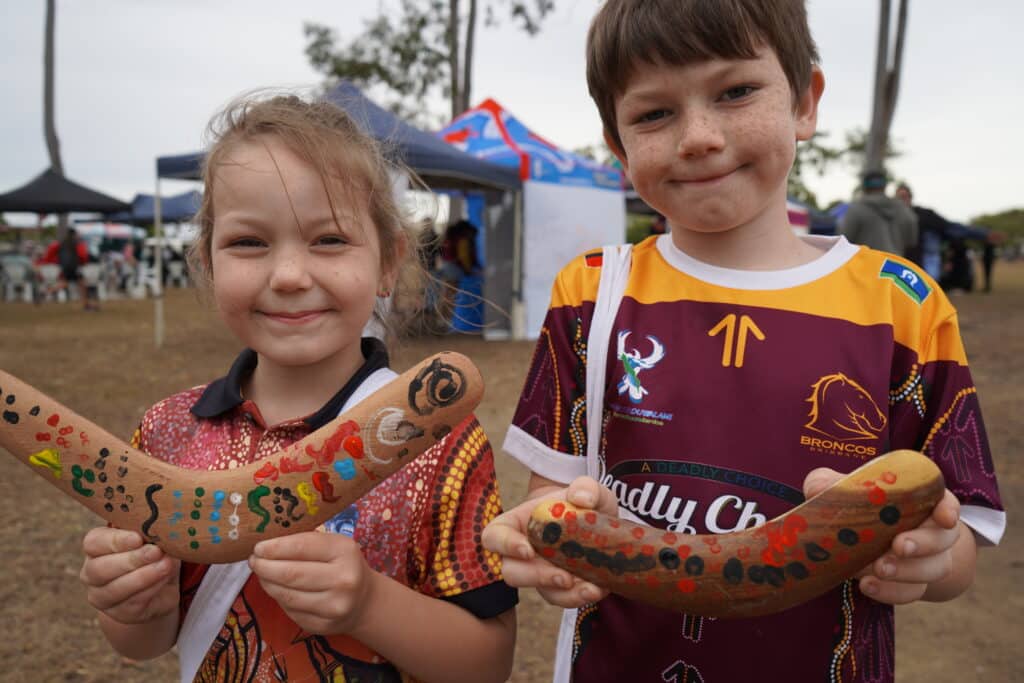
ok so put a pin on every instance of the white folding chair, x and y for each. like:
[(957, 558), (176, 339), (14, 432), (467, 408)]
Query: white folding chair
[(52, 286), (91, 276), (17, 279), (176, 274)]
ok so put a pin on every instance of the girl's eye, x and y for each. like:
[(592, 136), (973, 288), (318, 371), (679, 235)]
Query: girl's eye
[(246, 242), (331, 240), (737, 93)]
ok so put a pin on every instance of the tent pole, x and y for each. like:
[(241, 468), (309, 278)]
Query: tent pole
[(518, 310), (158, 290)]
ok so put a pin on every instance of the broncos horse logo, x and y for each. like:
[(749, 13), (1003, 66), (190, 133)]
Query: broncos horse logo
[(843, 409), (633, 363)]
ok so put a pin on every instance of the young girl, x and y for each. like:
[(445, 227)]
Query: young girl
[(301, 242)]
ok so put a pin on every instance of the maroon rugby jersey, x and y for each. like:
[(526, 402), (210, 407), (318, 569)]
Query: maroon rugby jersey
[(722, 390)]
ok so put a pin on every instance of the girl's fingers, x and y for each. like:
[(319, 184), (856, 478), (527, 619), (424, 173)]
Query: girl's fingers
[(925, 541), (586, 492), (132, 584), (297, 575), (504, 536), (100, 570), (580, 594), (293, 600), (105, 541)]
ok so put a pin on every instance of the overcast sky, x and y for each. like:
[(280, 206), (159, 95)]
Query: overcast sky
[(137, 79)]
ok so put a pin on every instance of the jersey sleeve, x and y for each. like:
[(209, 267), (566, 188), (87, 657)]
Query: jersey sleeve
[(548, 433), (464, 498), (938, 413)]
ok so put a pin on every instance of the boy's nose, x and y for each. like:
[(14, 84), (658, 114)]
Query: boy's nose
[(290, 272), (700, 135)]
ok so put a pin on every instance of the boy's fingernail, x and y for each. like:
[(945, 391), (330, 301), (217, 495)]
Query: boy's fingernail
[(525, 551), (909, 548), (868, 587), (584, 498), (150, 552), (888, 568), (589, 593), (561, 581)]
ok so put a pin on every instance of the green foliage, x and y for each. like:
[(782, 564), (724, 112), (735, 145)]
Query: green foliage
[(1010, 223), (409, 50), (638, 227), (815, 156)]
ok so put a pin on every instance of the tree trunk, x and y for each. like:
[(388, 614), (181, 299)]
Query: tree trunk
[(887, 80), (467, 59), (453, 56), (49, 127)]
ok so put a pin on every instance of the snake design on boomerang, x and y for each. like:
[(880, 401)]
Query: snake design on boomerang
[(218, 516), (789, 560)]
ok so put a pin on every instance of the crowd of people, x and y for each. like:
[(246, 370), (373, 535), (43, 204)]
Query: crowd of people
[(895, 224)]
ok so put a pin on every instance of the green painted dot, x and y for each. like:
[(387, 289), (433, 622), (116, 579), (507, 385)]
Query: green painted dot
[(76, 470), (191, 531), (90, 476), (200, 491), (195, 514), (194, 545), (198, 503)]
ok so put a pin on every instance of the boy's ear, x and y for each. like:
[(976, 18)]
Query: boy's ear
[(807, 105), (616, 150)]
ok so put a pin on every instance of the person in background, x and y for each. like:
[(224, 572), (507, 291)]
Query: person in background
[(879, 221)]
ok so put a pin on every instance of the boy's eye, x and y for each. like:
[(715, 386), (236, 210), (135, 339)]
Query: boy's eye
[(739, 92), (653, 115)]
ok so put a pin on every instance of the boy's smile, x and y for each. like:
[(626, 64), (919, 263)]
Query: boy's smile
[(710, 145)]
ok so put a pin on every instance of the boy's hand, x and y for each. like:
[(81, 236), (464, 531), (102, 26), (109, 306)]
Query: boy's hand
[(523, 568), (129, 581), (916, 559), (321, 580)]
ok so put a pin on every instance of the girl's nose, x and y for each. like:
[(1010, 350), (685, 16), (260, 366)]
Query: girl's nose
[(290, 272), (700, 135)]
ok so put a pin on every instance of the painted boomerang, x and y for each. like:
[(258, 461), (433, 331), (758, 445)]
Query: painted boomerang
[(787, 561), (218, 516)]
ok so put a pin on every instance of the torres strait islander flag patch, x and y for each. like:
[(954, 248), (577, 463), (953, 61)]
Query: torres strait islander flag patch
[(594, 259), (907, 279)]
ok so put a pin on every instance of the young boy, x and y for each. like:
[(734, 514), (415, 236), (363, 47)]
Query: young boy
[(741, 361)]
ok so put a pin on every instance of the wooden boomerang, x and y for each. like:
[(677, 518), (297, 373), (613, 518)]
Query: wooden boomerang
[(218, 516), (787, 561)]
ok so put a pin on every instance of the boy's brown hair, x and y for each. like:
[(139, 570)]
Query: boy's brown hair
[(682, 32)]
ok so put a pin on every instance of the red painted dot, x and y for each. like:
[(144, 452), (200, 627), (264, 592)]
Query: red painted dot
[(53, 420), (591, 518), (570, 516), (669, 539), (626, 548), (638, 533), (684, 551), (547, 552), (715, 549), (794, 524), (557, 510), (686, 585), (64, 431), (867, 535), (614, 523), (889, 477), (42, 436), (868, 483), (877, 496), (743, 553), (828, 542), (653, 582), (600, 540), (647, 550)]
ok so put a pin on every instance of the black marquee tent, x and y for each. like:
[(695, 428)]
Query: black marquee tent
[(440, 165), (50, 192)]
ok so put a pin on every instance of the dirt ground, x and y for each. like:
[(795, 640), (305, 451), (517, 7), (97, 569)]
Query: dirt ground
[(104, 366)]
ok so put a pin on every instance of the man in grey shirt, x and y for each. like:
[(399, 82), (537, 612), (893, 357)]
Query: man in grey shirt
[(879, 221)]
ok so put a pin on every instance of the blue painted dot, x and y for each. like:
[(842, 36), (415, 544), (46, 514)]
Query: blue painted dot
[(214, 530), (177, 494), (215, 540), (214, 516), (219, 496), (346, 468)]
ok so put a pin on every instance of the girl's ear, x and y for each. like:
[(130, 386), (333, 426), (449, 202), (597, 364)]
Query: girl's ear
[(807, 106)]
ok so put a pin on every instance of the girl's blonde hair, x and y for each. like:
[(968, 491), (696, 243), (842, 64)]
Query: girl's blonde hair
[(328, 139)]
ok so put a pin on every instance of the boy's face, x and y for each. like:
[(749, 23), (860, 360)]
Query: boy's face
[(709, 145)]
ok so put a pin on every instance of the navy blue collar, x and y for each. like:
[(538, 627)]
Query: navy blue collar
[(225, 394)]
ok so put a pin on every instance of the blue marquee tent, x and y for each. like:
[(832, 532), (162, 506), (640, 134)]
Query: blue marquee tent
[(174, 209)]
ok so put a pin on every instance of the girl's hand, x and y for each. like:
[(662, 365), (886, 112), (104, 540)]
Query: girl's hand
[(321, 580), (916, 559), (523, 568), (127, 580)]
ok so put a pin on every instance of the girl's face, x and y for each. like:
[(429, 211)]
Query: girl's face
[(286, 281)]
